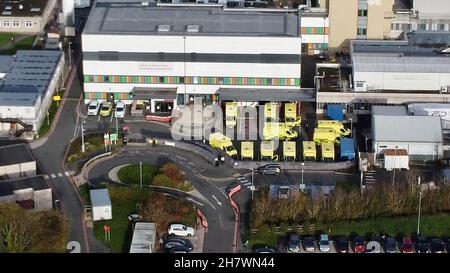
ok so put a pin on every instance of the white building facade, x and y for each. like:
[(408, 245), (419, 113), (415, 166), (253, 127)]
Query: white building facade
[(314, 31), (204, 50)]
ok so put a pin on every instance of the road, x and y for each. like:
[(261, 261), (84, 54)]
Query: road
[(220, 216)]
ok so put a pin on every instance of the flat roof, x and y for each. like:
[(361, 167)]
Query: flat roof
[(7, 187), (264, 94), (5, 62), (100, 198), (22, 8), (30, 71), (15, 154), (132, 18), (389, 110), (143, 237), (18, 99), (425, 129)]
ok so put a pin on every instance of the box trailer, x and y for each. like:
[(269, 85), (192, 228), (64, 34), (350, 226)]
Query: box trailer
[(328, 151), (247, 150), (101, 204), (335, 112), (441, 110), (309, 151), (267, 151), (347, 148), (289, 150)]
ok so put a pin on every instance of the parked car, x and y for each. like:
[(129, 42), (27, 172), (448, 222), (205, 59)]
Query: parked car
[(359, 244), (390, 245), (265, 250), (269, 169), (422, 245), (105, 109), (294, 243), (93, 108), (342, 245), (119, 112), (179, 249), (324, 243), (437, 245), (407, 245), (309, 244), (180, 230), (178, 242)]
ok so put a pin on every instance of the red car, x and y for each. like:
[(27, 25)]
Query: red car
[(407, 245), (359, 245)]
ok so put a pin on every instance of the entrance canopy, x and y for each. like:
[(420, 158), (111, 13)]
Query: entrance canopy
[(247, 94), (148, 93)]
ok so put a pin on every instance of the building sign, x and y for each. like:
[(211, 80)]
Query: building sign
[(155, 67), (56, 98)]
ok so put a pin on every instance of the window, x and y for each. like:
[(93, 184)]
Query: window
[(29, 24), (181, 79), (422, 27), (441, 26), (15, 23), (6, 23), (362, 13), (362, 31), (161, 80)]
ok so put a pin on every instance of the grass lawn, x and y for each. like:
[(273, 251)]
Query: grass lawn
[(124, 202), (435, 225), (47, 123), (131, 174), (5, 38), (84, 193), (24, 44)]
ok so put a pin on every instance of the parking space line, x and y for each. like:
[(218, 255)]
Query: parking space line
[(110, 120), (52, 175), (46, 176), (60, 175), (98, 118)]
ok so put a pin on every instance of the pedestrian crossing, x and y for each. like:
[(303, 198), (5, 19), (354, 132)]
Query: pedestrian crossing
[(244, 181), (58, 175)]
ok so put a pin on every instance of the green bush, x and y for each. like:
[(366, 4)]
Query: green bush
[(164, 181)]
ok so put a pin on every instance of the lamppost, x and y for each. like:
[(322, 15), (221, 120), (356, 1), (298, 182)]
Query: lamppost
[(83, 148), (70, 55), (351, 127), (302, 187), (420, 203), (140, 172), (253, 184)]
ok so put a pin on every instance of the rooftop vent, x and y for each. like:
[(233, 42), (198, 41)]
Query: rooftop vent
[(35, 9), (6, 12), (193, 28), (145, 4), (163, 28), (20, 6), (8, 8)]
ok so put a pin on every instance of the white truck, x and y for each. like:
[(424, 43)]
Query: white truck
[(432, 109)]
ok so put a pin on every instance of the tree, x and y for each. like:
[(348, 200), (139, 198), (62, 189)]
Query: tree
[(155, 210)]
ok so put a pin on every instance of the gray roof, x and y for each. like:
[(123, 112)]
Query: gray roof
[(132, 18), (401, 64), (15, 154), (18, 99), (100, 197), (143, 237), (5, 62), (245, 94), (389, 110), (36, 183), (407, 129), (30, 71)]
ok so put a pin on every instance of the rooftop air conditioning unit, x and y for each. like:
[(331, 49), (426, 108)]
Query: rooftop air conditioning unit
[(163, 28), (193, 28), (145, 4)]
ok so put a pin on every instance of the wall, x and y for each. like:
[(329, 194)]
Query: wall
[(43, 199), (379, 18), (22, 28), (312, 41), (425, 7), (403, 81), (343, 23), (27, 168), (417, 151)]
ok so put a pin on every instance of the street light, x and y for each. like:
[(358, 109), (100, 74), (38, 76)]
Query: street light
[(351, 127), (140, 171), (420, 203), (70, 55), (253, 184), (303, 184), (83, 148)]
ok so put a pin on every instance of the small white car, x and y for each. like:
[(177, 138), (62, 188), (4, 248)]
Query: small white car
[(324, 243), (180, 230), (119, 112), (93, 108)]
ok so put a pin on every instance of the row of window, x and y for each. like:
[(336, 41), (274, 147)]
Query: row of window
[(361, 31), (317, 46), (28, 24), (408, 26), (193, 80), (314, 30), (104, 95), (362, 13)]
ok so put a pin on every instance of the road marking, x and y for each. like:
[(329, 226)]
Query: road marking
[(46, 176), (75, 131), (220, 220), (67, 173), (241, 178), (110, 120), (60, 175), (98, 118), (195, 201), (247, 184), (53, 175), (218, 202)]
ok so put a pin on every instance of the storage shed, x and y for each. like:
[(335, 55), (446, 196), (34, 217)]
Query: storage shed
[(420, 136), (101, 205)]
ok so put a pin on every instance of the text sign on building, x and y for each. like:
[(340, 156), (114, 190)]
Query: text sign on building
[(155, 67), (56, 98)]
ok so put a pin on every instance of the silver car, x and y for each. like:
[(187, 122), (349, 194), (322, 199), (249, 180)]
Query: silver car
[(324, 244)]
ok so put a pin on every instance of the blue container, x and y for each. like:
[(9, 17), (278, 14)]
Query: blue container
[(347, 148), (335, 112)]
